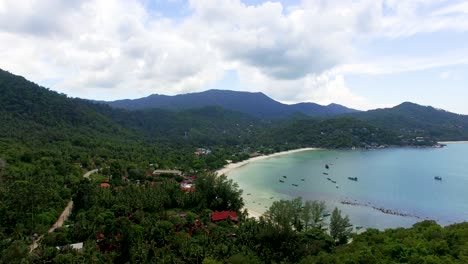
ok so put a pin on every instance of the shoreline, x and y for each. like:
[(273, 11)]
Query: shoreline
[(453, 142), (232, 166)]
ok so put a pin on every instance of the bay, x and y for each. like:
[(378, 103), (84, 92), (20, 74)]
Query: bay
[(399, 181)]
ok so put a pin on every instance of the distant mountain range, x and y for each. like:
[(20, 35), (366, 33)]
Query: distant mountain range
[(210, 117), (255, 104)]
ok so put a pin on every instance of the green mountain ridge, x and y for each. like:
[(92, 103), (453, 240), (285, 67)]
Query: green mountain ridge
[(420, 120), (48, 141)]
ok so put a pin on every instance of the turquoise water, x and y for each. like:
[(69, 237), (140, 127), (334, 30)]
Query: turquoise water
[(400, 180)]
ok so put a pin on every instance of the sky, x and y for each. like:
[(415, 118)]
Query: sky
[(362, 54)]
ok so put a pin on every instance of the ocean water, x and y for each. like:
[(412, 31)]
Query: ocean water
[(399, 180)]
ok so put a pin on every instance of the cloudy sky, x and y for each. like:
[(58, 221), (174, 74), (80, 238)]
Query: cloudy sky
[(363, 54)]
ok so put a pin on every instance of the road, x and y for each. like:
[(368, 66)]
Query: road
[(86, 175), (62, 218)]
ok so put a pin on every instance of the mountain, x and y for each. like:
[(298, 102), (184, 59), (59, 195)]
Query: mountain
[(255, 104), (36, 116), (411, 118)]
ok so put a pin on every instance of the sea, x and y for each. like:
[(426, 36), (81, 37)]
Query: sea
[(395, 187)]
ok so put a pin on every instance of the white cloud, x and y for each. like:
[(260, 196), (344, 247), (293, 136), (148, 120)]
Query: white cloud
[(407, 18), (108, 49)]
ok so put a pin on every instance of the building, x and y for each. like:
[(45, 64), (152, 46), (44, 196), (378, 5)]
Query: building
[(77, 246), (104, 185), (202, 151), (159, 172), (224, 215)]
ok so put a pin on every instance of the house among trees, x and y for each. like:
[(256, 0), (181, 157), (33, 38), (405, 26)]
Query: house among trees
[(255, 154), (202, 151), (77, 246), (224, 215), (188, 184), (104, 185), (187, 187)]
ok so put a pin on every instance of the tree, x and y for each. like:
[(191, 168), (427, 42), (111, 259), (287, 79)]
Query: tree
[(286, 215), (312, 214), (219, 193), (2, 168), (340, 227)]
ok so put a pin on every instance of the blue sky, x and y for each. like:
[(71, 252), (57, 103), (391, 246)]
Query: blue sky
[(362, 54)]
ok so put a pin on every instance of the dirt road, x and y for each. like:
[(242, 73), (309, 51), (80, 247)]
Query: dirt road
[(62, 218)]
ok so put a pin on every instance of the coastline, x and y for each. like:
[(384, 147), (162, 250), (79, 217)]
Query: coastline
[(229, 167), (452, 142), (232, 166)]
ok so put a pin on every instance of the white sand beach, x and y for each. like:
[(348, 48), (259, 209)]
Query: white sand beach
[(226, 169), (453, 142)]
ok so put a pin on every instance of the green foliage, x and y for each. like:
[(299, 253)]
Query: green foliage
[(425, 242), (218, 193), (412, 120), (285, 215), (340, 227), (48, 141)]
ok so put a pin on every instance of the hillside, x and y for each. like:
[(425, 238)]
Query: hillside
[(255, 104), (49, 140), (36, 115), (426, 121)]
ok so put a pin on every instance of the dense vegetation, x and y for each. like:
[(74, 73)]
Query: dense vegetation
[(426, 121), (48, 141)]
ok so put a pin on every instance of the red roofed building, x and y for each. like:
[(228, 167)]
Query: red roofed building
[(224, 215), (104, 185)]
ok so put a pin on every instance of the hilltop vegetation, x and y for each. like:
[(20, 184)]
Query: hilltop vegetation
[(426, 121), (49, 140)]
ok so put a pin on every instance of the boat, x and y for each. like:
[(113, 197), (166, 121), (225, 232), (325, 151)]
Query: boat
[(294, 185), (337, 186), (325, 173), (281, 181), (352, 178), (327, 167), (333, 181), (284, 177), (326, 214), (329, 179), (302, 179), (437, 178)]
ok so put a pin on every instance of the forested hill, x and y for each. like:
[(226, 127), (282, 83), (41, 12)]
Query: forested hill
[(419, 120), (37, 115), (48, 141), (404, 119), (255, 104)]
